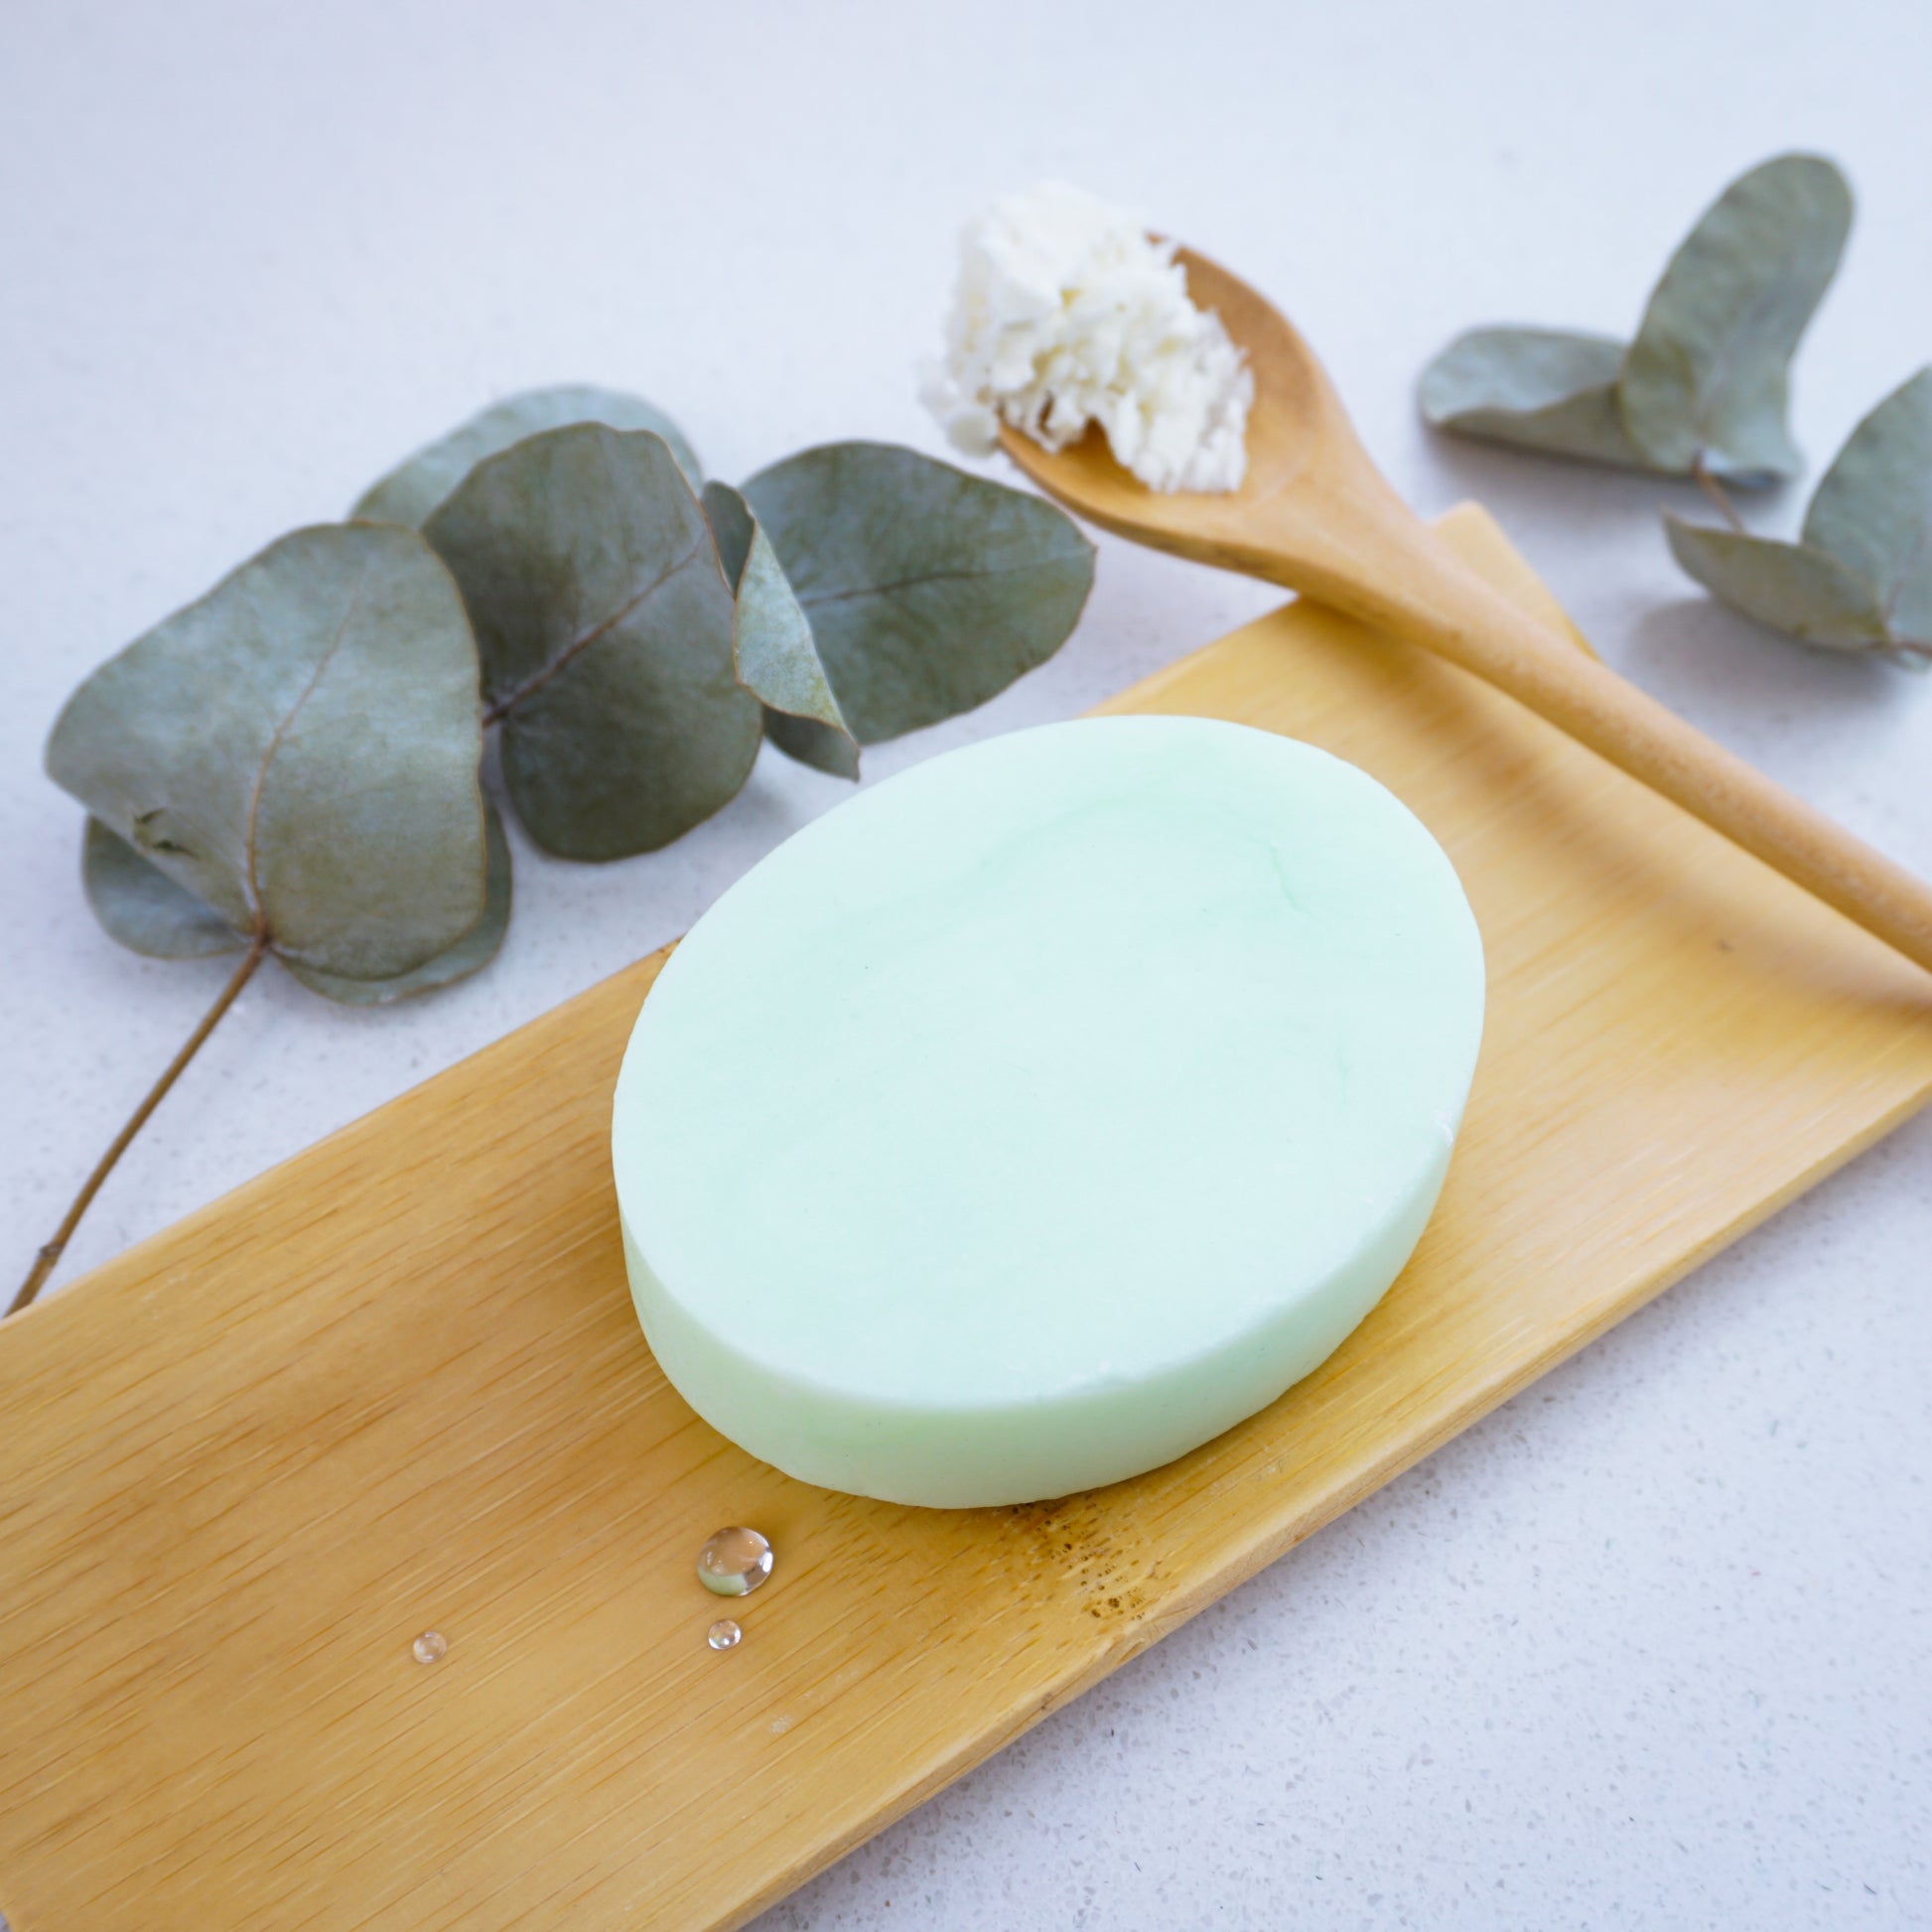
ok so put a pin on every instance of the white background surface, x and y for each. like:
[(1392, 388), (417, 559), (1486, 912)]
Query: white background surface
[(1652, 1646)]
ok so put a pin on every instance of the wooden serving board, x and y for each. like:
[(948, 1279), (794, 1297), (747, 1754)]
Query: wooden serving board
[(397, 1385)]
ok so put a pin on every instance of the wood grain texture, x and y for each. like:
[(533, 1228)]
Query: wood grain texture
[(397, 1385)]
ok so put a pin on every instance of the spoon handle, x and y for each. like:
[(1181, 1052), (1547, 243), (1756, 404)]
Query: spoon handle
[(1425, 594)]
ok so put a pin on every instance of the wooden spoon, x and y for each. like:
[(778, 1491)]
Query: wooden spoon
[(1317, 516)]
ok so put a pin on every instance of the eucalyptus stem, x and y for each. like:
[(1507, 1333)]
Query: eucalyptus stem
[(1714, 490), (49, 1256)]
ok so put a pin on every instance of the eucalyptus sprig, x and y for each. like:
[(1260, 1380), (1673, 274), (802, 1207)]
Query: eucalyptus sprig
[(292, 767), (1860, 577), (1703, 386), (1701, 392)]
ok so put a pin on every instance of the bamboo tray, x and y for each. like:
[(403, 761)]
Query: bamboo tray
[(395, 1385)]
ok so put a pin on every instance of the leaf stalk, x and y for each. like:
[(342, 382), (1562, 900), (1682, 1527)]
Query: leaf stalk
[(49, 1257), (1712, 488)]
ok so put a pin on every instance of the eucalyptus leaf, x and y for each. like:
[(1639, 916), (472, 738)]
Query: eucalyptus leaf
[(141, 907), (411, 493), (772, 640), (1873, 509), (1796, 588), (1860, 579), (605, 628), (1706, 378), (1545, 389), (298, 750), (475, 950), (928, 590)]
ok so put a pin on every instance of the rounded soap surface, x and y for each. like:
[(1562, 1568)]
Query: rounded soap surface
[(1039, 1113)]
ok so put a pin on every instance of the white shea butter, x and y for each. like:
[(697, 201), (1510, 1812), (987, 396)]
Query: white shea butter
[(1066, 314)]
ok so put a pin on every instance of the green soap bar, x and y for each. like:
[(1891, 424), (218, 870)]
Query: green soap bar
[(1042, 1112)]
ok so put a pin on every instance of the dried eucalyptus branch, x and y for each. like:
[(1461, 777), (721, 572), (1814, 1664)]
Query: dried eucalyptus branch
[(1860, 575), (1702, 385), (291, 765), (1702, 392)]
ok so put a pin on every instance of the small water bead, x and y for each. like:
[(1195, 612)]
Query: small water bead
[(734, 1563), (429, 1646), (724, 1634)]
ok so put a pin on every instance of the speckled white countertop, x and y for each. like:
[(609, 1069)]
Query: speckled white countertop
[(1651, 1647)]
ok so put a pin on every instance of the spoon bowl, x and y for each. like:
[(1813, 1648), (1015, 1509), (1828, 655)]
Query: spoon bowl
[(1316, 515), (1305, 462), (1296, 416)]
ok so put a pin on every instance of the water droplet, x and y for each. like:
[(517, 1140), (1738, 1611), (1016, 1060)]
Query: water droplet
[(429, 1646), (734, 1563), (724, 1636)]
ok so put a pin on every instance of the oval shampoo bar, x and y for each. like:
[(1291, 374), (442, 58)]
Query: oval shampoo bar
[(1042, 1112)]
